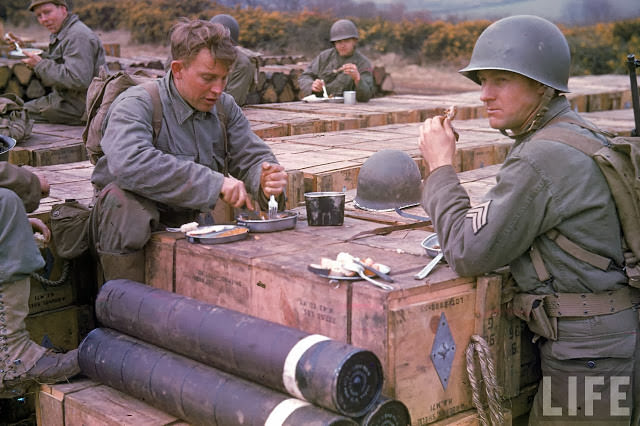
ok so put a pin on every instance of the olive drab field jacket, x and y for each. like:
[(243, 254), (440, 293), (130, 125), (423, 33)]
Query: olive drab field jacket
[(184, 167), (243, 75), (323, 66), (542, 184), (74, 58), (25, 185)]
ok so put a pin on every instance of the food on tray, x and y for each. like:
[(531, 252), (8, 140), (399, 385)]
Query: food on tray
[(336, 266), (234, 231), (191, 226), (204, 230)]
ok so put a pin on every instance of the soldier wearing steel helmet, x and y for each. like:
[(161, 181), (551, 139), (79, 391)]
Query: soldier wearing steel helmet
[(74, 57), (341, 67), (243, 73), (582, 315)]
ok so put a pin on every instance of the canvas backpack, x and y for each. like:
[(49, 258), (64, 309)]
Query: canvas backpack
[(106, 87), (14, 118), (103, 90), (619, 160)]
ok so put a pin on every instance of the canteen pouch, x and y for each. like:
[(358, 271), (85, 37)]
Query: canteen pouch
[(530, 308), (70, 228)]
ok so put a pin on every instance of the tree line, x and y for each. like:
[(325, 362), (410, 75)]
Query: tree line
[(596, 49)]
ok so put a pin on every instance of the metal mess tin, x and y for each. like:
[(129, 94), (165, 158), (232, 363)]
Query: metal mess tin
[(261, 223), (217, 234), (431, 245)]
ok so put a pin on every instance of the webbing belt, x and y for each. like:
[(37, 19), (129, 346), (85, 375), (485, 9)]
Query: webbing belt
[(590, 304)]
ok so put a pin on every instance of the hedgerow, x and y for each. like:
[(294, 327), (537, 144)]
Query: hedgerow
[(596, 49)]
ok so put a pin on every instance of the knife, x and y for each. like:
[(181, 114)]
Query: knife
[(381, 274)]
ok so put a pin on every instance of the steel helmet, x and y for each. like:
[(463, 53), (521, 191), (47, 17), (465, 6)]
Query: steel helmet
[(524, 44), (343, 29), (389, 179), (229, 22)]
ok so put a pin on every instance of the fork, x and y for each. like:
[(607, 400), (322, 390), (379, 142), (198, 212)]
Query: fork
[(273, 207)]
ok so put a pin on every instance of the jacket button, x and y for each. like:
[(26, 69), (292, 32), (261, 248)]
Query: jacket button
[(591, 364)]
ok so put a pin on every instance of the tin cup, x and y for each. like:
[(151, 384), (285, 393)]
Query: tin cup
[(349, 97), (325, 208)]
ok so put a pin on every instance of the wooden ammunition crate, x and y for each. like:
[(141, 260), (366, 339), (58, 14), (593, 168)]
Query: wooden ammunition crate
[(88, 403), (58, 328)]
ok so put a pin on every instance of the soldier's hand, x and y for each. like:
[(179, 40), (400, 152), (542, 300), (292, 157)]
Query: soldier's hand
[(235, 194), (273, 179), (38, 225), (352, 71), (437, 142), (31, 59), (317, 85), (44, 186)]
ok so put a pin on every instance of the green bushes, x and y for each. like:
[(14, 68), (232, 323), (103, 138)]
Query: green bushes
[(595, 49)]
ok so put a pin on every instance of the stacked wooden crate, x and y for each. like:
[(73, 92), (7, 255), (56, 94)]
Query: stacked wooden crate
[(277, 78)]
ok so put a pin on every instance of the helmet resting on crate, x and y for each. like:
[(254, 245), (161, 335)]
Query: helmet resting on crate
[(388, 179)]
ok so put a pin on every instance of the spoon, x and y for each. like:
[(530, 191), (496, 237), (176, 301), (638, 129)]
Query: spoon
[(351, 266), (324, 90), (18, 48)]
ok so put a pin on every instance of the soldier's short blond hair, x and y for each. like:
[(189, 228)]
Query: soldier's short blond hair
[(188, 37)]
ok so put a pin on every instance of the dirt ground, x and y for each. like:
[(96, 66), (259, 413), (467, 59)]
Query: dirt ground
[(408, 78)]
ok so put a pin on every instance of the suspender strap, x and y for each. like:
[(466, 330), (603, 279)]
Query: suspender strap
[(156, 119), (538, 264), (578, 252), (222, 117)]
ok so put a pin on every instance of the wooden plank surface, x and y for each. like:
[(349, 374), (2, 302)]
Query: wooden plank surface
[(104, 406)]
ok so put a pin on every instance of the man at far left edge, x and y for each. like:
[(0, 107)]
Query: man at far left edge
[(74, 57)]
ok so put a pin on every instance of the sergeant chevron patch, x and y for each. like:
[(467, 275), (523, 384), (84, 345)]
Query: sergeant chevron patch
[(478, 216)]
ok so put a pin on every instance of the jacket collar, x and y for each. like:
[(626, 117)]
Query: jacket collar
[(183, 111), (71, 19)]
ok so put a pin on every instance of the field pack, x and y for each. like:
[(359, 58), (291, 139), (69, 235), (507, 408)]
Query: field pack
[(106, 87), (619, 160), (14, 118), (103, 90)]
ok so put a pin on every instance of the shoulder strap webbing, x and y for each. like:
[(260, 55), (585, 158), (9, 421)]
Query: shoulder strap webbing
[(588, 146), (578, 252), (156, 119), (222, 117)]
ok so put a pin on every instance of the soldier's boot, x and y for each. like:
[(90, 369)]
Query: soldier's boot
[(23, 362), (128, 266)]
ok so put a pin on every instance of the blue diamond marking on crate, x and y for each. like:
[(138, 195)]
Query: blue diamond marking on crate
[(443, 351)]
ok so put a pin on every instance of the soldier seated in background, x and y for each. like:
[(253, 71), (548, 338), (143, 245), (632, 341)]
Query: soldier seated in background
[(243, 74), (340, 68), (150, 182), (23, 362), (73, 59)]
